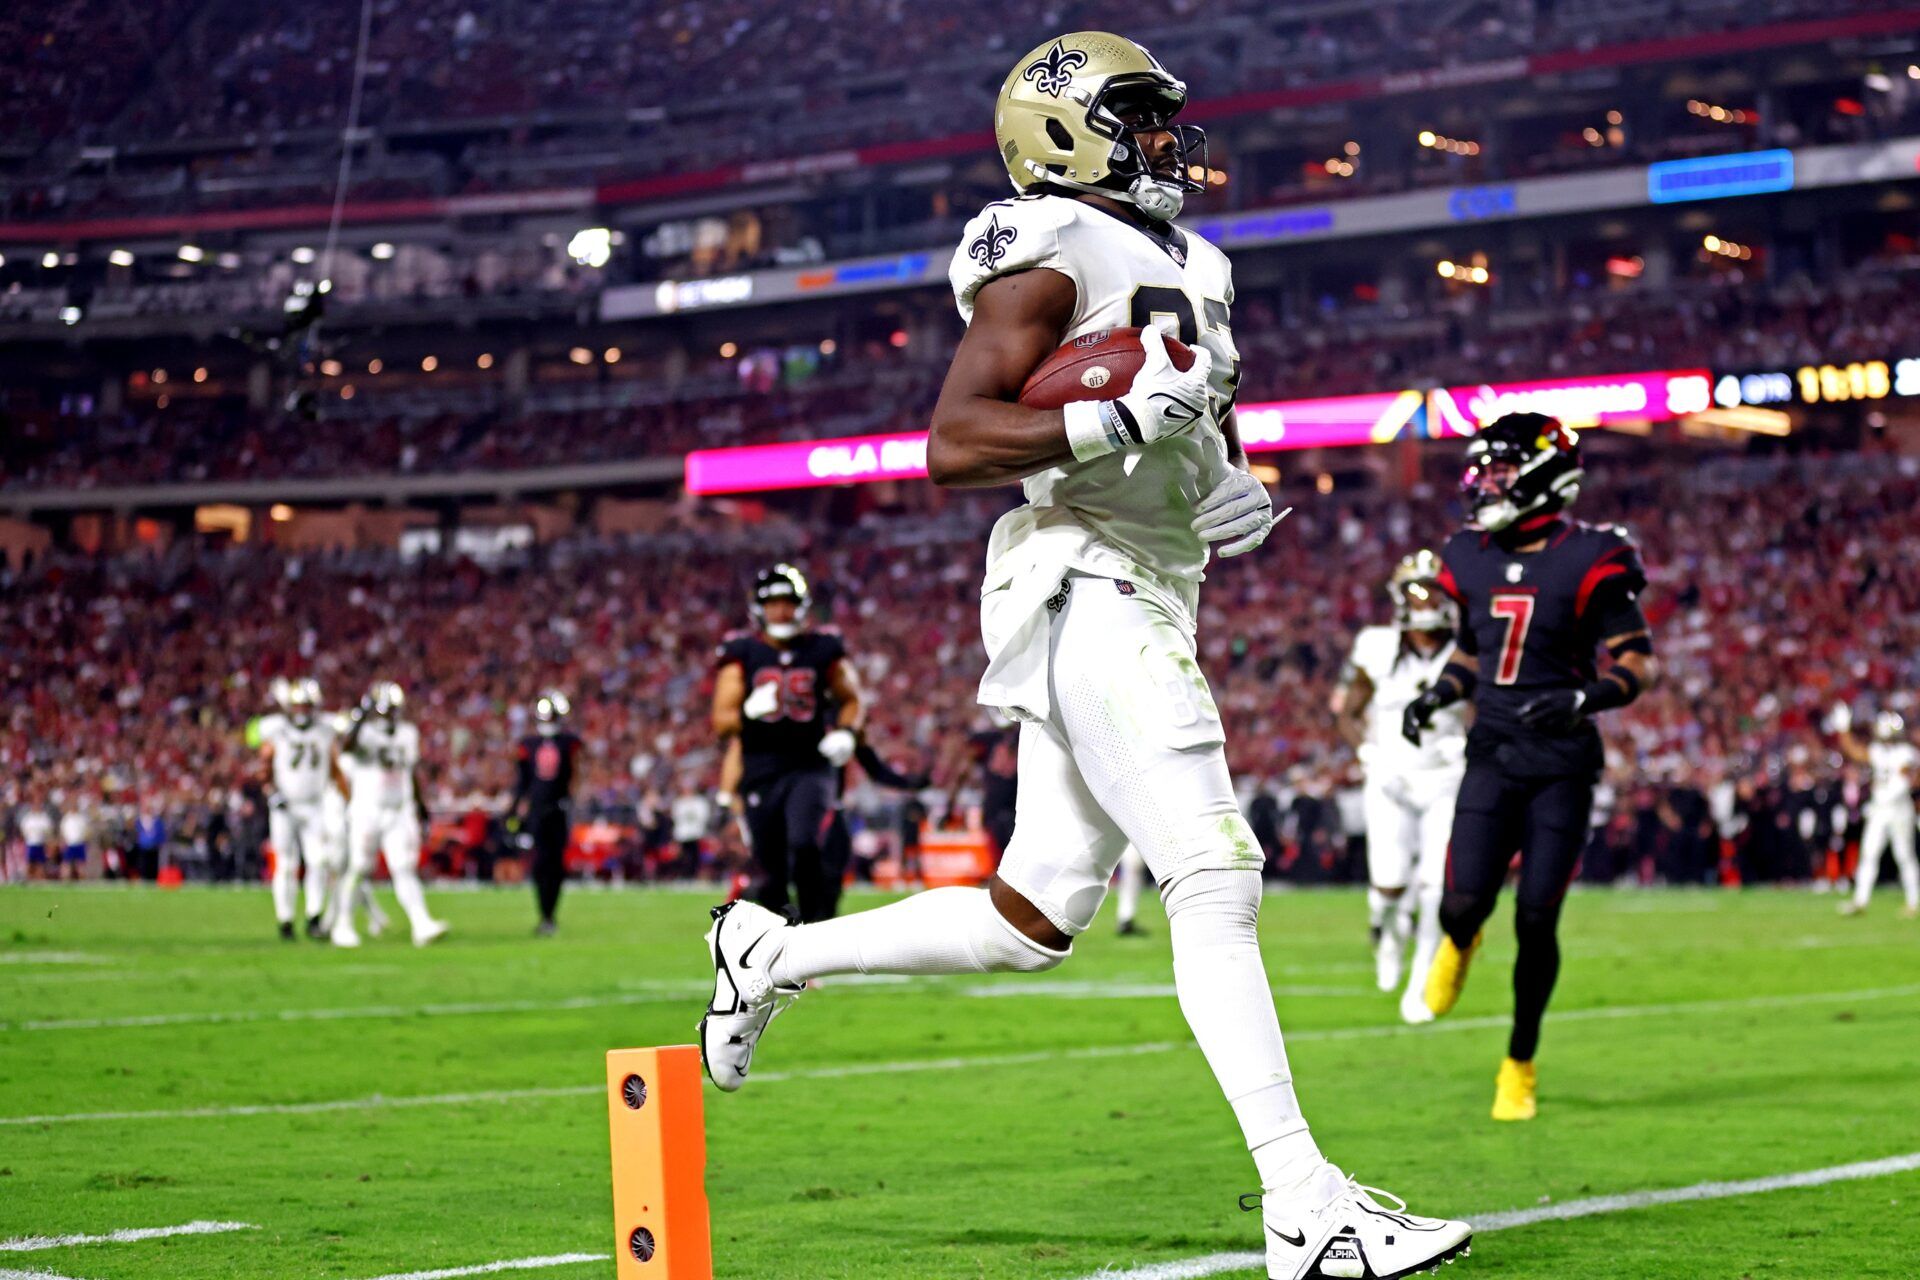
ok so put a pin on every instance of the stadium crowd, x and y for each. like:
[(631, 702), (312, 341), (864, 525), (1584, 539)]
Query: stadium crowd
[(763, 80), (123, 706), (1293, 345)]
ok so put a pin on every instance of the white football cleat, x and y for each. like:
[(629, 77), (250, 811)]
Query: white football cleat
[(1413, 1005), (1338, 1230), (435, 930), (343, 934), (745, 998)]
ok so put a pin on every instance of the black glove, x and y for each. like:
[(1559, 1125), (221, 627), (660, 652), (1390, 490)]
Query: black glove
[(1554, 712), (1419, 714)]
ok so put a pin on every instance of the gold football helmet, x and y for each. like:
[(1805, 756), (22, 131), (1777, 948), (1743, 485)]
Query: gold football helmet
[(1068, 114), (1418, 602)]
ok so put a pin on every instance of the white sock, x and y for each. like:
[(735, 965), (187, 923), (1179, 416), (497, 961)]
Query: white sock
[(372, 904), (1133, 873), (314, 885), (1377, 905), (951, 930), (1426, 937), (413, 899), (345, 891), (1213, 917), (286, 886)]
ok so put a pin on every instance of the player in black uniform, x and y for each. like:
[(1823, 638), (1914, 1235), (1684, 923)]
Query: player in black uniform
[(788, 708), (542, 808), (1538, 595)]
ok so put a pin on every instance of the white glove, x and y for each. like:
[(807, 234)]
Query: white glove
[(1238, 508), (1840, 719), (837, 747), (762, 702), (1162, 402)]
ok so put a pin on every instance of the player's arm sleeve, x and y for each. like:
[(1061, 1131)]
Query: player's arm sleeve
[(1010, 236), (1608, 603)]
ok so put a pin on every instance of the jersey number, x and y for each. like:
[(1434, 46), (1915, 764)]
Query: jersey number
[(305, 755), (1151, 300), (797, 701), (1517, 609)]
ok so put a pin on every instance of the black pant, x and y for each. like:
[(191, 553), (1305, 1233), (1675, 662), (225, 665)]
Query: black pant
[(551, 829), (788, 821), (1545, 820)]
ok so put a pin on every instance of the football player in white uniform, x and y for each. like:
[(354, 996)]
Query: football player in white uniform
[(1088, 612), (296, 752), (1410, 789), (377, 767), (1890, 811)]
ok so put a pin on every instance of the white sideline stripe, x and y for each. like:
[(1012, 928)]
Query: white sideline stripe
[(345, 1014), (30, 1244), (488, 1268), (379, 1102), (13, 1273), (1214, 1264), (51, 957)]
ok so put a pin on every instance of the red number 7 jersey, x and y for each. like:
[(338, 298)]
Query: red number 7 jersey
[(1535, 621)]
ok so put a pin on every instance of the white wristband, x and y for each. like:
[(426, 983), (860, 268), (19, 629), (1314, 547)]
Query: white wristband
[(1088, 432)]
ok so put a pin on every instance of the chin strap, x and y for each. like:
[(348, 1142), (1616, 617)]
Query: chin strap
[(1161, 201)]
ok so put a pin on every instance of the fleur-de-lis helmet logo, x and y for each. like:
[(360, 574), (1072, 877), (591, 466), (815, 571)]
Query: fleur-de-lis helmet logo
[(991, 244), (1053, 73)]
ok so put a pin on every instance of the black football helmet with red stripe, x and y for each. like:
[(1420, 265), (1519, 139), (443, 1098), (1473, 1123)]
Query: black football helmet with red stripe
[(1520, 468)]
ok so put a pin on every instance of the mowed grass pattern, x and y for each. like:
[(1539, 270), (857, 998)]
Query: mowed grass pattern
[(1720, 1036)]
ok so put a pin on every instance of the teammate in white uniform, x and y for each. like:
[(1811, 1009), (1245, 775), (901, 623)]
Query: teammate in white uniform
[(1410, 789), (1088, 612), (377, 766), (296, 751), (1890, 812)]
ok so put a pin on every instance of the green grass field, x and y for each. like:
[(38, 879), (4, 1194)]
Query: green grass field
[(164, 1058)]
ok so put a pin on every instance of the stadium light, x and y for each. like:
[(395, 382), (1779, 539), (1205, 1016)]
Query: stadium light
[(192, 253), (331, 368), (200, 374), (160, 377), (70, 315), (611, 355), (304, 255), (728, 350), (382, 251), (429, 363), (580, 355), (280, 513), (49, 259), (1352, 149), (346, 392), (1445, 268), (592, 247), (485, 361), (375, 365), (1428, 138), (828, 346), (121, 257)]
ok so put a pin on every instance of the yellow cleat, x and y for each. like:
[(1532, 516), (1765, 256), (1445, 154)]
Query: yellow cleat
[(1449, 974), (1514, 1092)]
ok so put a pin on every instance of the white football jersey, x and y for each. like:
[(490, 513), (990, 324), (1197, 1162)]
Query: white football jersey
[(1399, 675), (36, 828), (302, 757), (1136, 505), (380, 764), (1893, 771)]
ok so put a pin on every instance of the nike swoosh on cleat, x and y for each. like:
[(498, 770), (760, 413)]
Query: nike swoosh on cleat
[(1298, 1239), (747, 955)]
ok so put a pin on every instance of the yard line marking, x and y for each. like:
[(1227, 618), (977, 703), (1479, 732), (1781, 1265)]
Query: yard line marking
[(52, 958), (1069, 990), (379, 1102), (488, 1268), (11, 1273), (31, 1244), (1214, 1264)]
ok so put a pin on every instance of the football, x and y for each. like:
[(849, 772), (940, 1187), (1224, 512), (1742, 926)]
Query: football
[(1094, 366)]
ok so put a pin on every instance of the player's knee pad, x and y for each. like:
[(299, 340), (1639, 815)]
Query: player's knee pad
[(1223, 904), (1001, 948), (1534, 922)]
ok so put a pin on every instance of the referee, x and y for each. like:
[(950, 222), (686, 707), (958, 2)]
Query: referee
[(542, 808)]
